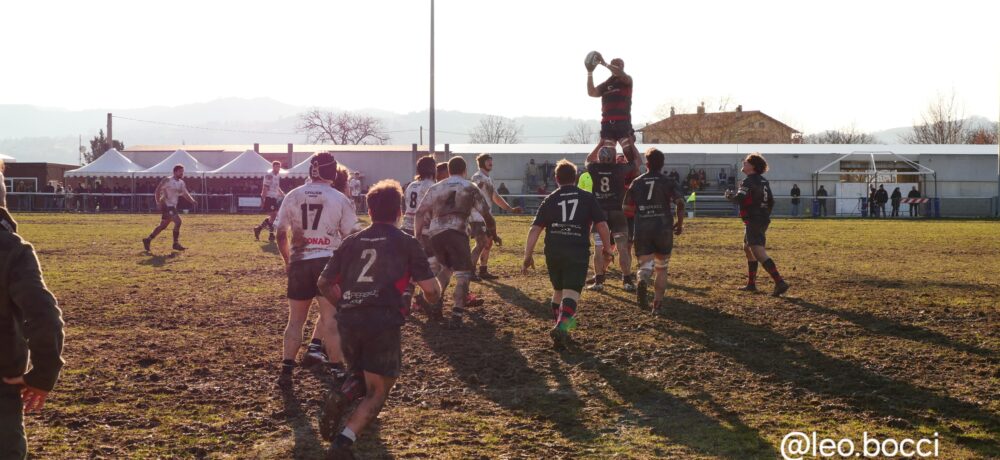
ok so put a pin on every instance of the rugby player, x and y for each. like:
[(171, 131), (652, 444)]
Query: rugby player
[(756, 201), (649, 198), (481, 253), (166, 195), (448, 205), (366, 278), (616, 107), (270, 194), (319, 217), (567, 215), (609, 188), (414, 193)]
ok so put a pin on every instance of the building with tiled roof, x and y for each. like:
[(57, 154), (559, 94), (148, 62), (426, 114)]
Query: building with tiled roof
[(737, 127)]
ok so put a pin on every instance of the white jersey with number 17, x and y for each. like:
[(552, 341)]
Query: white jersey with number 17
[(319, 218)]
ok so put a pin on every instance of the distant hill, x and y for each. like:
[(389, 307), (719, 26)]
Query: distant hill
[(32, 133)]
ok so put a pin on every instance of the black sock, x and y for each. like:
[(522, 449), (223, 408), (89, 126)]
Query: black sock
[(317, 342), (342, 441), (287, 366), (555, 310), (752, 272), (772, 270), (599, 279), (177, 236)]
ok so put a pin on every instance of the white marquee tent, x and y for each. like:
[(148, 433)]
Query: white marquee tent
[(248, 165), (111, 164), (192, 167)]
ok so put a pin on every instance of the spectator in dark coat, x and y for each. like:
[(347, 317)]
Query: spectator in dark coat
[(796, 193), (896, 197), (914, 208), (821, 195), (881, 197)]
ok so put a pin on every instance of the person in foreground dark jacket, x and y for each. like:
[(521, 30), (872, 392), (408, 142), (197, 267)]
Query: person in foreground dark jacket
[(30, 322)]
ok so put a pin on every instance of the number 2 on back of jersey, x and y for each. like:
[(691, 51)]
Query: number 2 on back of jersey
[(369, 254), (572, 209)]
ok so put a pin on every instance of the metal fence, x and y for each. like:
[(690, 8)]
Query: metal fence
[(703, 205)]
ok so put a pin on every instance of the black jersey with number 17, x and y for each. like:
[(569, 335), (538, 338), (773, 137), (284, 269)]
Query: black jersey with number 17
[(609, 183), (567, 215), (374, 266)]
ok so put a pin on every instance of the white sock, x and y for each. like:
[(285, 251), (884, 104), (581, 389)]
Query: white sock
[(347, 433)]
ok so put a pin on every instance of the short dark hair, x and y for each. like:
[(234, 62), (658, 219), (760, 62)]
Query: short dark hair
[(276, 163), (441, 168), (481, 159), (654, 160), (425, 168), (456, 166), (757, 161), (383, 200), (618, 62), (178, 166), (565, 172)]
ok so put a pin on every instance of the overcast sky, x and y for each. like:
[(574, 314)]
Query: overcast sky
[(815, 65)]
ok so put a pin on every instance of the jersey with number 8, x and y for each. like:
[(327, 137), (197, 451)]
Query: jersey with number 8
[(319, 218), (412, 196)]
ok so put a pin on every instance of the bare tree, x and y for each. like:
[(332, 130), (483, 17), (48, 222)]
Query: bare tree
[(983, 135), (342, 128), (494, 129), (848, 135), (582, 133), (942, 123)]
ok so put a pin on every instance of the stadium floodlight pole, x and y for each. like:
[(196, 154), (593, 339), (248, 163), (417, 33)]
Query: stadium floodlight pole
[(431, 127)]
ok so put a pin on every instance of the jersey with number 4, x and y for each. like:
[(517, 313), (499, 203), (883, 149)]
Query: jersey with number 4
[(449, 204), (374, 266), (567, 215), (412, 196), (319, 218)]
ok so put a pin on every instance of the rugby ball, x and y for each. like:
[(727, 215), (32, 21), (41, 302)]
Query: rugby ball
[(592, 59)]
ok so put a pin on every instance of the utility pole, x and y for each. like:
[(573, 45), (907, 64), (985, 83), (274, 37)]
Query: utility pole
[(431, 135), (111, 143), (421, 135)]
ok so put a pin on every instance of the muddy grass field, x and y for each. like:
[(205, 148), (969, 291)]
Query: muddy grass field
[(890, 328)]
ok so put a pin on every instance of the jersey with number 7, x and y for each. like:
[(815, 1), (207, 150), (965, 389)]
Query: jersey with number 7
[(319, 218)]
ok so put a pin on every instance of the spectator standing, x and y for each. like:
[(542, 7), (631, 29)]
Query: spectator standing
[(896, 197), (796, 193), (502, 190), (355, 186), (872, 203), (531, 174), (723, 177), (914, 207), (881, 197), (822, 201)]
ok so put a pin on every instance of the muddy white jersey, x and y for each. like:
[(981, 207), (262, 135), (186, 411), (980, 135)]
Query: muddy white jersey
[(412, 196), (171, 189), (449, 203), (485, 184), (318, 218), (272, 186)]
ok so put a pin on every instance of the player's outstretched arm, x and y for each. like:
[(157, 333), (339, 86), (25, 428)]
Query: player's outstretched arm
[(619, 72), (500, 201), (529, 249), (592, 157)]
